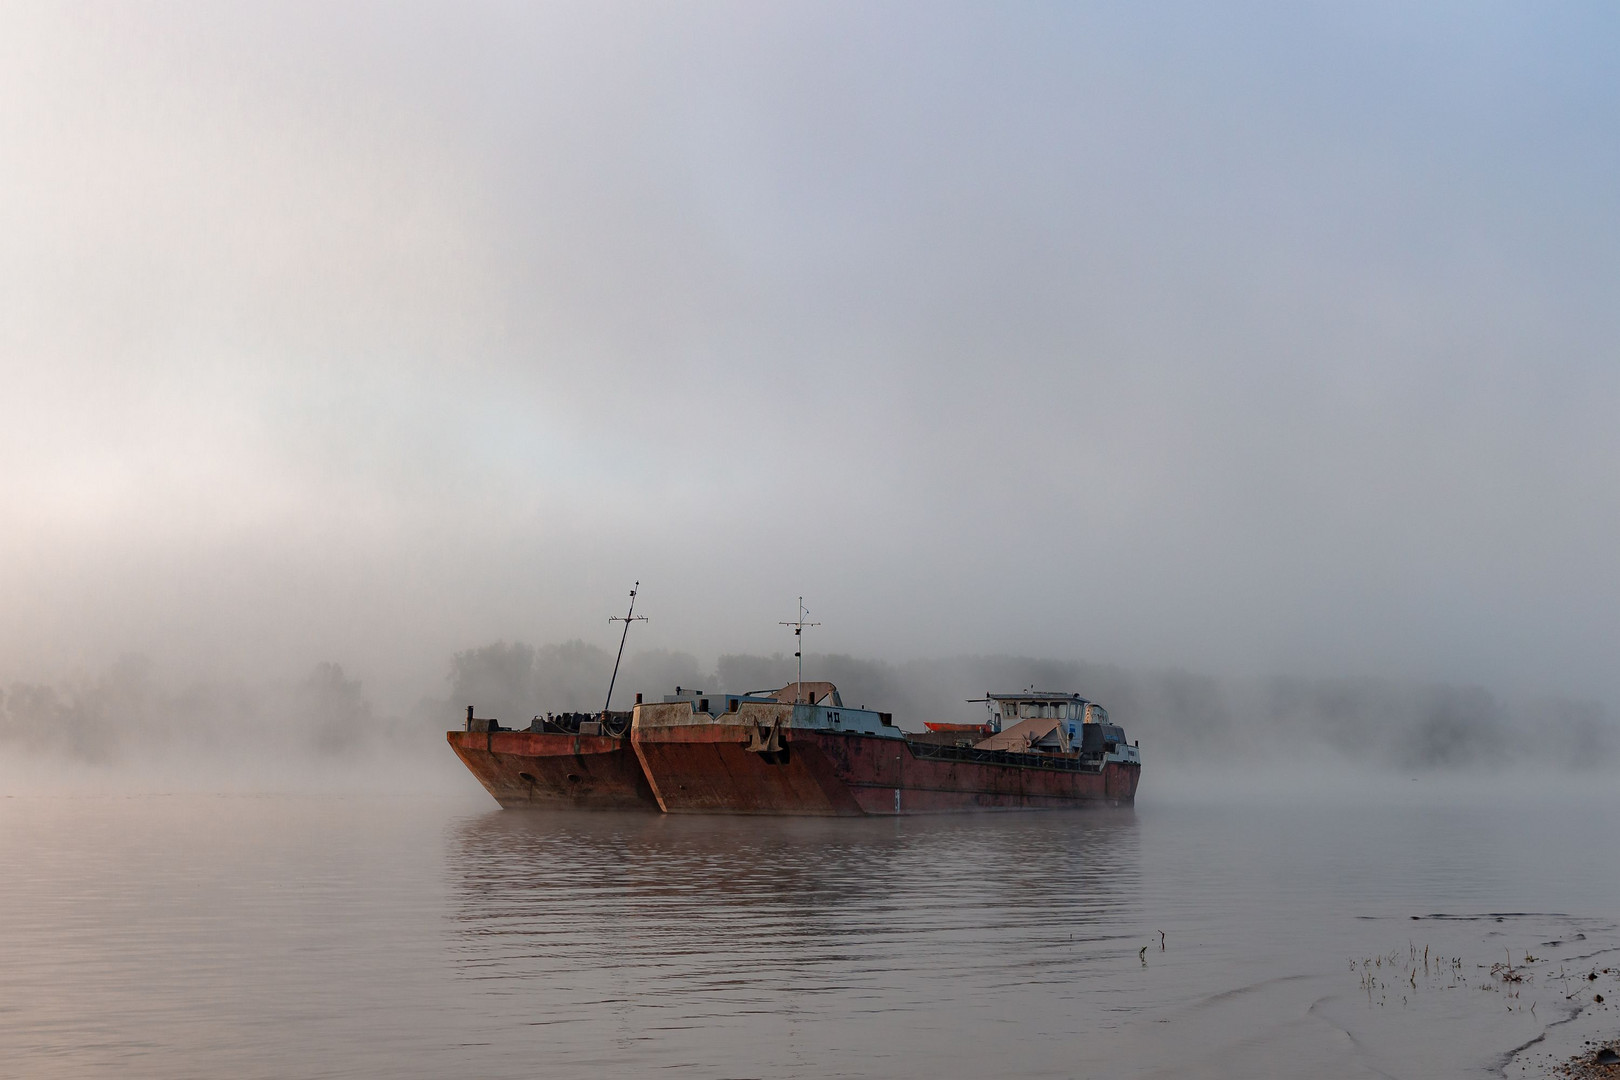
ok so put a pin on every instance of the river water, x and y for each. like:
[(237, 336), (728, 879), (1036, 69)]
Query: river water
[(431, 936)]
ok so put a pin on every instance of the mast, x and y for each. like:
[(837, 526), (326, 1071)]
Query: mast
[(627, 618), (798, 648)]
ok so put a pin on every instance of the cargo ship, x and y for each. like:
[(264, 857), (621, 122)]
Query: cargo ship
[(561, 761), (801, 751)]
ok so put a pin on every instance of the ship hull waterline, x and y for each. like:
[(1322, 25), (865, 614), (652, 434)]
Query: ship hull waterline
[(709, 768)]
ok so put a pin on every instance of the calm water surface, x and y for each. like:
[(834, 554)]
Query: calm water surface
[(308, 936)]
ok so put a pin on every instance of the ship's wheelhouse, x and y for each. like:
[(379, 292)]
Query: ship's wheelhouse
[(1009, 709)]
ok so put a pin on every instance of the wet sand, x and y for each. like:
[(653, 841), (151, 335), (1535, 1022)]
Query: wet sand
[(1601, 1062)]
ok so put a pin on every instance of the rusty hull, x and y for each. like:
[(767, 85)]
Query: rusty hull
[(887, 781), (709, 768), (546, 770), (755, 762)]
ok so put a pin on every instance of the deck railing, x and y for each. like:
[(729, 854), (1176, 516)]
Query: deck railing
[(1057, 762)]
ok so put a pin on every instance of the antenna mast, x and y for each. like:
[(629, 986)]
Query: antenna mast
[(798, 648), (627, 618)]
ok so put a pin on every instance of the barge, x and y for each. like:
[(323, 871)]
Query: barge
[(801, 751), (562, 761), (569, 760)]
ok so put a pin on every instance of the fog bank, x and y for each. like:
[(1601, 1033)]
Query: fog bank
[(136, 725)]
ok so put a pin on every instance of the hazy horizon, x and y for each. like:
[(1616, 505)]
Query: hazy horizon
[(324, 730)]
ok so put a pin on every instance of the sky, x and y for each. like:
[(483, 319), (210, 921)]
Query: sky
[(1248, 339)]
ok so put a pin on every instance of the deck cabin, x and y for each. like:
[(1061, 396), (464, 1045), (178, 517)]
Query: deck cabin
[(1008, 710), (1034, 722)]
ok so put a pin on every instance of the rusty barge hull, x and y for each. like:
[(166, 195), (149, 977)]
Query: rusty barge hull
[(711, 768), (548, 770)]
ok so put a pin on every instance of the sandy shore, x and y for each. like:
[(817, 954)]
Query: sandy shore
[(1600, 1061)]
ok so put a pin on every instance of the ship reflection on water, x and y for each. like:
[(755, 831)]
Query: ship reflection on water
[(748, 886), (719, 938)]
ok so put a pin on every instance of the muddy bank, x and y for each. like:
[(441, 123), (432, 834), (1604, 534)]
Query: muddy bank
[(1600, 1061)]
